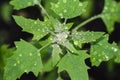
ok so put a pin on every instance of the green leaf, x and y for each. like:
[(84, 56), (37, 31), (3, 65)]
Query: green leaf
[(117, 55), (85, 37), (56, 54), (56, 24), (48, 66), (47, 6), (68, 26), (54, 58), (102, 51), (110, 14), (45, 41), (69, 8), (70, 47), (25, 59), (89, 9), (19, 4), (38, 28), (74, 65)]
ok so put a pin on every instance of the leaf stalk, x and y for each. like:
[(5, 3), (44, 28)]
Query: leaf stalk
[(85, 22)]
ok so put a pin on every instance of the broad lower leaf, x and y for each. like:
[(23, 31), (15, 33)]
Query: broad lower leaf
[(19, 4), (38, 28), (85, 37), (110, 14), (102, 51), (74, 65), (25, 59), (69, 8)]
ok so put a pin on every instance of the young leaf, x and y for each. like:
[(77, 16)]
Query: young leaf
[(110, 14), (68, 26), (74, 65), (102, 51), (38, 28), (25, 59), (56, 24), (85, 37), (56, 54), (60, 27), (19, 4), (70, 47), (69, 8)]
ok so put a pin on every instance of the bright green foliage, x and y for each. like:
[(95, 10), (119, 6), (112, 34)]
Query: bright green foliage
[(111, 14), (5, 53), (56, 24), (103, 51), (68, 26), (25, 59), (89, 9), (70, 47), (74, 65), (117, 56), (56, 54), (57, 42), (19, 4), (38, 28), (48, 66), (69, 8), (47, 5), (85, 37)]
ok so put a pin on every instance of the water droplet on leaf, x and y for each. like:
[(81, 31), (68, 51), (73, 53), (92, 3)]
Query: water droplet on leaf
[(18, 62), (39, 54), (20, 55), (64, 1), (15, 64), (30, 54), (76, 42), (99, 60)]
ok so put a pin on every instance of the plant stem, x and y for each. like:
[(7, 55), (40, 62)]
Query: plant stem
[(44, 46), (65, 21), (85, 22), (43, 10)]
